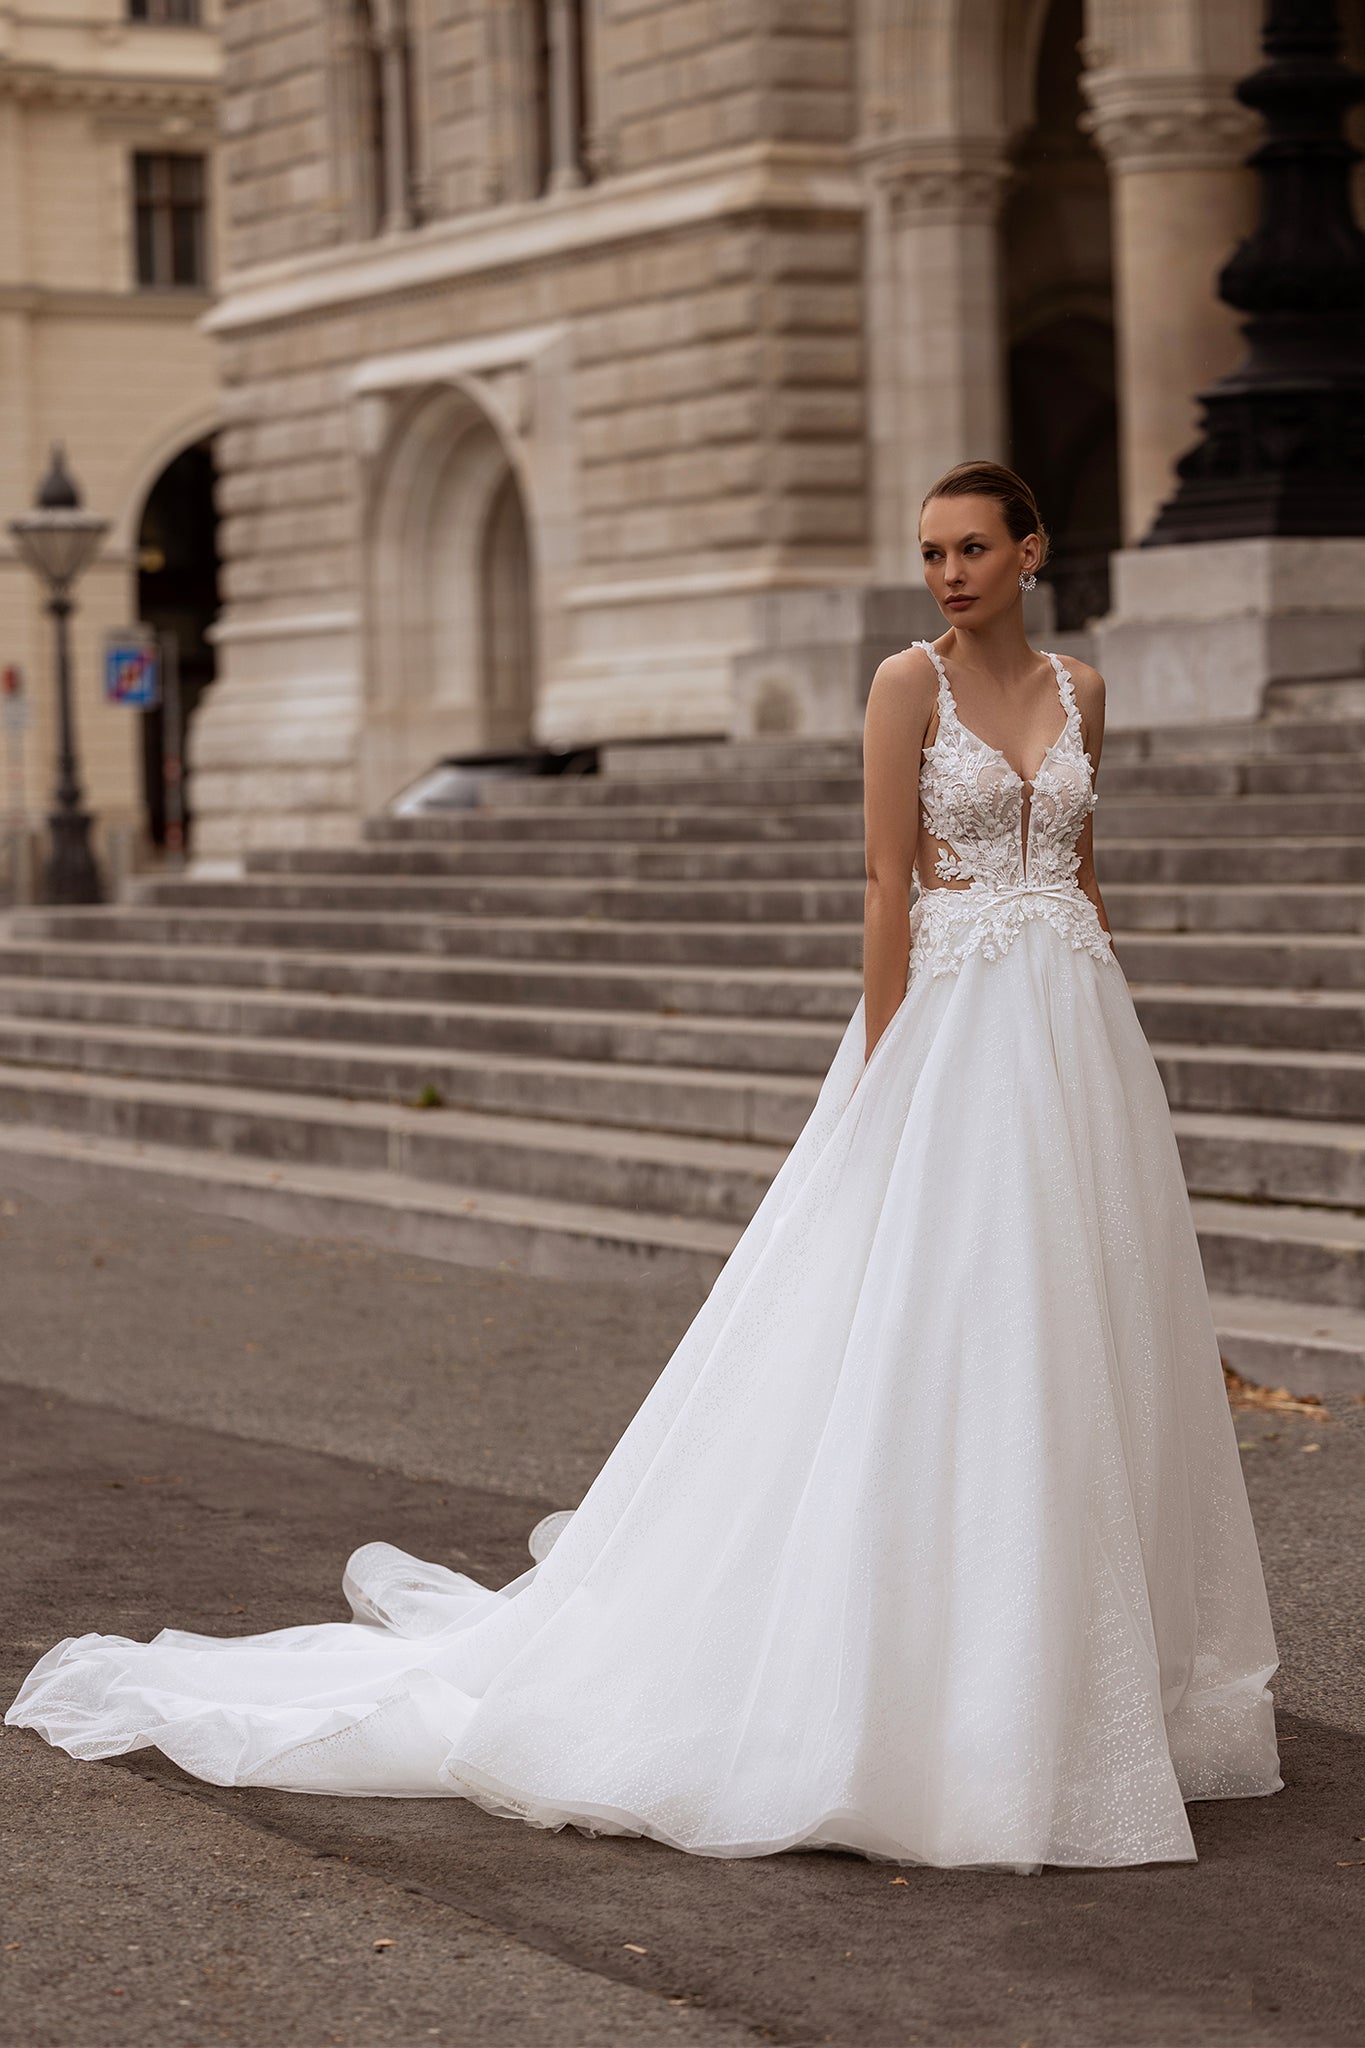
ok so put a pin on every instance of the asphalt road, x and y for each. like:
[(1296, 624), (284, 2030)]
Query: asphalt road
[(198, 1421)]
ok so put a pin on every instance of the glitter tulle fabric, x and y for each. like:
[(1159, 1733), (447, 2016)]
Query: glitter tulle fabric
[(929, 1542)]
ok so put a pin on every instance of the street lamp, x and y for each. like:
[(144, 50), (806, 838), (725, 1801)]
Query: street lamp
[(1283, 447), (58, 541)]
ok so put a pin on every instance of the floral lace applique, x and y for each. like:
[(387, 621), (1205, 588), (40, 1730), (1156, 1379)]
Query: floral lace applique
[(973, 800), (950, 866)]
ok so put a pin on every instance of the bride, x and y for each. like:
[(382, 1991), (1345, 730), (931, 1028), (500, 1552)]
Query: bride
[(930, 1541)]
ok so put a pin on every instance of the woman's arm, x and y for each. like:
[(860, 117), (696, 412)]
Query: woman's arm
[(898, 711), (1089, 687)]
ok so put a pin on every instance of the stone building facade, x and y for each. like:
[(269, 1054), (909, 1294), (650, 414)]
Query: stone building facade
[(108, 134), (585, 361)]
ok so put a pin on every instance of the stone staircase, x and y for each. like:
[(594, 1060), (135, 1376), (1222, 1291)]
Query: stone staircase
[(575, 1028)]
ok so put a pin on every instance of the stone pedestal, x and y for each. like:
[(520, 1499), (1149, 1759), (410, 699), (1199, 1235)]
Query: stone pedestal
[(1199, 631), (820, 649)]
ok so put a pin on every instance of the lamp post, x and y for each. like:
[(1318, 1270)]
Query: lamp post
[(58, 541), (1283, 448)]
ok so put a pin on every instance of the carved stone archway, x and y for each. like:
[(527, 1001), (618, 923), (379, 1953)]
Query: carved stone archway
[(451, 642)]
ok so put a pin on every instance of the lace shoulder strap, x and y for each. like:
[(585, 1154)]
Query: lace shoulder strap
[(1064, 686), (947, 709)]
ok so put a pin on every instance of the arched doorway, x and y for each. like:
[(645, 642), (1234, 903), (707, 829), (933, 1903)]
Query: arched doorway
[(1059, 296), (177, 595), (508, 624), (452, 641)]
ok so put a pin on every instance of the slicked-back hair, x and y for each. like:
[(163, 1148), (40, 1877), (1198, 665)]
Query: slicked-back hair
[(1018, 506)]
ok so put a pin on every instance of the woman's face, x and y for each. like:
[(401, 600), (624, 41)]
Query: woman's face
[(971, 565)]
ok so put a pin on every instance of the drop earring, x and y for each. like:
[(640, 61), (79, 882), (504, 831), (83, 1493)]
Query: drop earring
[(1028, 581)]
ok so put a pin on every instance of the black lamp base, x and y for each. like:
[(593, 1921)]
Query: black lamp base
[(71, 875), (1283, 447)]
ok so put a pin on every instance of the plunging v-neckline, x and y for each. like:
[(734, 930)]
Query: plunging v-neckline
[(1025, 781)]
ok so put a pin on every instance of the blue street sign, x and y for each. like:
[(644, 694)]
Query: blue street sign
[(132, 671)]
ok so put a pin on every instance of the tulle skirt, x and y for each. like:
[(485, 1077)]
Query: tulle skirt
[(930, 1541)]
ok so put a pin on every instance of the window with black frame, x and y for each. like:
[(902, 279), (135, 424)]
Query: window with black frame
[(170, 220), (165, 13)]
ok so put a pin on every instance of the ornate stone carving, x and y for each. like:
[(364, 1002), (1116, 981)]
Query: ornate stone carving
[(1166, 120), (938, 182), (194, 100)]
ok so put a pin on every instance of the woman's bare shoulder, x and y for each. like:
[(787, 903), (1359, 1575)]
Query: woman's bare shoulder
[(903, 688), (1088, 684)]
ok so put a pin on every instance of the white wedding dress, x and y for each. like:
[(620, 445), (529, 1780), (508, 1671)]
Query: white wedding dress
[(930, 1541)]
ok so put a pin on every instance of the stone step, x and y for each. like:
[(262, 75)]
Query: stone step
[(1162, 811), (737, 1044), (663, 761), (1331, 697), (1323, 907), (1284, 862), (485, 896), (552, 938), (664, 823), (741, 786), (1327, 737), (1318, 1020), (769, 1107), (1295, 775), (743, 816), (1292, 863), (1279, 960), (1227, 817), (1269, 1081), (1287, 1252), (1261, 1158), (1264, 1014), (748, 779), (549, 1237), (1273, 1159), (618, 996), (817, 993), (1216, 779), (663, 1174), (773, 1040), (1258, 739), (1327, 961), (837, 860), (1312, 775), (1305, 1346), (472, 1226), (1237, 907)]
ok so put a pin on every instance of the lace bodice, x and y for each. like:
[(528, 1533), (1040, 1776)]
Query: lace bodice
[(1020, 863)]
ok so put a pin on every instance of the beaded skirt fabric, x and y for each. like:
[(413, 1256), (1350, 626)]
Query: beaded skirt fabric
[(931, 1539)]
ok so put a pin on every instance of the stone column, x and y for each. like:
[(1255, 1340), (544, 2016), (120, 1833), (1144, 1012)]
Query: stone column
[(391, 35), (566, 98), (936, 345), (357, 172), (1182, 199)]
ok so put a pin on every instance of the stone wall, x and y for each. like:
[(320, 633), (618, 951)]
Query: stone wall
[(283, 194), (719, 397), (676, 78), (688, 432), (720, 323)]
